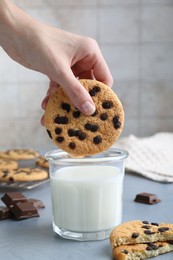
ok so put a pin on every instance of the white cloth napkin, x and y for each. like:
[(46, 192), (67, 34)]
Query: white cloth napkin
[(151, 157)]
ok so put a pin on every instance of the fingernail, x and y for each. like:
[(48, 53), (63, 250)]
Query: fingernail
[(88, 108)]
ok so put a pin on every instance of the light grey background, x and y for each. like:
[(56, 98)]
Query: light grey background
[(136, 38)]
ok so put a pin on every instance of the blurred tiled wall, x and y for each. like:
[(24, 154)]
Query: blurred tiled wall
[(136, 38)]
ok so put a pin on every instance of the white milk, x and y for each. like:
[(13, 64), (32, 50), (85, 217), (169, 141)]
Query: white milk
[(88, 198)]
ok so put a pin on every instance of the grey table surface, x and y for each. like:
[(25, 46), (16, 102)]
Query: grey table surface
[(34, 238)]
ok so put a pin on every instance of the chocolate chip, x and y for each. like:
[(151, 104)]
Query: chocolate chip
[(103, 116), (163, 229), (76, 114), (87, 126), (135, 235), (91, 127), (92, 92), (148, 232), (71, 132), (125, 251), (61, 120), (116, 122), (60, 139), (94, 128), (107, 104), (146, 227), (49, 134), (145, 222), (5, 173), (154, 224), (66, 107), (81, 135), (58, 130), (28, 173), (97, 139), (96, 89), (72, 145), (151, 246)]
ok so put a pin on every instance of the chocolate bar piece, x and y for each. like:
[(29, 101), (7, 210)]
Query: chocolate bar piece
[(11, 198), (22, 210), (4, 212), (147, 198), (38, 204)]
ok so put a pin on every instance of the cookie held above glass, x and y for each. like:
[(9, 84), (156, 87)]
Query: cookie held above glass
[(82, 135)]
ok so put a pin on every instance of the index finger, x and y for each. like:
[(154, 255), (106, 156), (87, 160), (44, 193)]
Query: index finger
[(101, 71)]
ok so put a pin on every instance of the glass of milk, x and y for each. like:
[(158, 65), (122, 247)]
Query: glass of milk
[(86, 193)]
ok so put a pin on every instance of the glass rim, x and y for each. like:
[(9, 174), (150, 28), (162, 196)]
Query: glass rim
[(111, 154)]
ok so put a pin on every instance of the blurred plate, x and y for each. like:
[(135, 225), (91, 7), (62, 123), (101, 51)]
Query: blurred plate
[(22, 185)]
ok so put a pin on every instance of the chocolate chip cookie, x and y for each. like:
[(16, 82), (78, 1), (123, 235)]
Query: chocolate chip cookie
[(136, 232), (83, 135), (19, 154), (141, 251), (8, 164), (23, 174), (42, 162)]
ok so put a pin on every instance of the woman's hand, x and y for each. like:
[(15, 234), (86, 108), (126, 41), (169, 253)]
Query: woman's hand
[(60, 55)]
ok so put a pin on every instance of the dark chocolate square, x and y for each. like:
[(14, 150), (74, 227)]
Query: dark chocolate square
[(12, 198), (4, 212), (22, 210), (147, 198)]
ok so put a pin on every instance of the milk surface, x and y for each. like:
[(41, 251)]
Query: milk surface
[(87, 198)]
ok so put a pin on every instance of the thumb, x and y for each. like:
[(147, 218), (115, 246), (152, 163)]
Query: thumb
[(78, 95)]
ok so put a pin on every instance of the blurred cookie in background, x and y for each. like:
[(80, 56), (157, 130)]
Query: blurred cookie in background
[(42, 162), (19, 154), (8, 164)]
